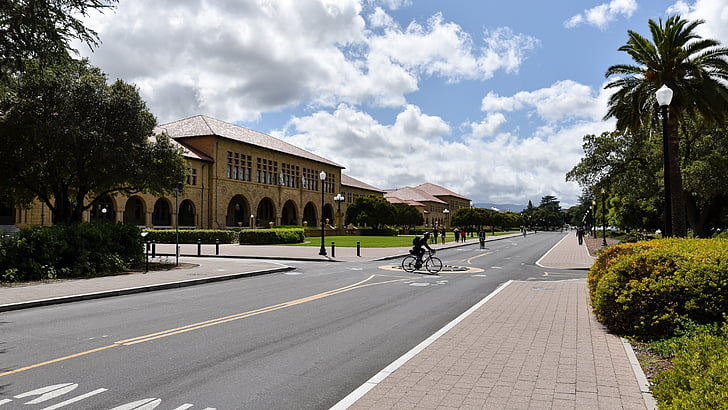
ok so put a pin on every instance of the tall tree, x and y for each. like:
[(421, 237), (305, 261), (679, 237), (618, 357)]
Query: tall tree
[(693, 67), (68, 138), (41, 30)]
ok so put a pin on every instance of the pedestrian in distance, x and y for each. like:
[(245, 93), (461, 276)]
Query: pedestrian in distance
[(442, 235), (463, 235), (580, 235), (456, 231), (434, 236), (481, 238)]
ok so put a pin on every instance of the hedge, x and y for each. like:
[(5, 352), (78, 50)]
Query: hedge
[(647, 289), (67, 251), (207, 236), (271, 236), (699, 375)]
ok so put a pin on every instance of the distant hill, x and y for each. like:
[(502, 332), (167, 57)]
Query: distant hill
[(502, 207)]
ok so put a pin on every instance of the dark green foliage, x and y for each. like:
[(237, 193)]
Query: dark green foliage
[(648, 289), (68, 251), (206, 236), (271, 236)]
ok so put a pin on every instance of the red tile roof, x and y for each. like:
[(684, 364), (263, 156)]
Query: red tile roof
[(437, 190), (202, 125), (412, 194), (355, 183)]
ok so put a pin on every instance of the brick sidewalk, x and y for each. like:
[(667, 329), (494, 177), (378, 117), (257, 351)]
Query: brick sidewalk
[(534, 345)]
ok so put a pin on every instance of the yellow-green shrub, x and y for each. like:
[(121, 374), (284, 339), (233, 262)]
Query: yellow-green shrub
[(647, 289)]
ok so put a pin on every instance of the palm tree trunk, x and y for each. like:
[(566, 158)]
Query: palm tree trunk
[(677, 200)]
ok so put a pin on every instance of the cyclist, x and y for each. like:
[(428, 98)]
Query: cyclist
[(418, 245)]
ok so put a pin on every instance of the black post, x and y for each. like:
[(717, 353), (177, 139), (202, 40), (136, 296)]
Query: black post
[(199, 247), (333, 249), (358, 248), (217, 247), (146, 262), (604, 223), (666, 176), (322, 251), (154, 249)]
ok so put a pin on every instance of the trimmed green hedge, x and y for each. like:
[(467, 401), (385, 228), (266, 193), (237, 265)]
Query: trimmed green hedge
[(68, 251), (207, 236), (271, 236), (647, 289)]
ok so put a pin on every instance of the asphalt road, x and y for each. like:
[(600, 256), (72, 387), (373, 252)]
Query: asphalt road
[(302, 339)]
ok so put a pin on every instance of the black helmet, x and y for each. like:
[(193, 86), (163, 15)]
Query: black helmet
[(427, 234)]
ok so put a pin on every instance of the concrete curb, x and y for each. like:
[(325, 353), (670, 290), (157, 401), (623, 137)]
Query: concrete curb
[(139, 289)]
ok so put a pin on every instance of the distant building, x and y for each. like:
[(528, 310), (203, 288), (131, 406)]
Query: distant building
[(434, 202)]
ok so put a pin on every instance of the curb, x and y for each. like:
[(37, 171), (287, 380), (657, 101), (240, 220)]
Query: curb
[(139, 289)]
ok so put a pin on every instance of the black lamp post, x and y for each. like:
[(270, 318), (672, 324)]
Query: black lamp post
[(176, 190), (664, 97), (322, 251), (604, 219)]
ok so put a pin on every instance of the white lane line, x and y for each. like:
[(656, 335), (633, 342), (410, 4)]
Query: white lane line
[(347, 401)]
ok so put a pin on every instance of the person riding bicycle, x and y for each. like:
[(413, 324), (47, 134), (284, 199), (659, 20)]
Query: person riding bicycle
[(418, 245)]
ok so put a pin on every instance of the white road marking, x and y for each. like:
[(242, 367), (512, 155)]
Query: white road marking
[(48, 392), (145, 404), (75, 399)]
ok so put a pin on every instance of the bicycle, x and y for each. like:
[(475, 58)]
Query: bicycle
[(433, 264)]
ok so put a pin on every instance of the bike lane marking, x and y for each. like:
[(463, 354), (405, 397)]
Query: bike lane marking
[(212, 322)]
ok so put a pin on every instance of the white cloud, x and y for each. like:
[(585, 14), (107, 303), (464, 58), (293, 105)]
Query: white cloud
[(563, 100), (502, 168), (236, 60), (714, 12), (603, 14)]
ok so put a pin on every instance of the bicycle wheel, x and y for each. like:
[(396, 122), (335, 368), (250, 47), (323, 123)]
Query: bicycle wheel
[(408, 263), (433, 264)]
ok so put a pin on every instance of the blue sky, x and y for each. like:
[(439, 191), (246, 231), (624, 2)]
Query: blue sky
[(489, 99)]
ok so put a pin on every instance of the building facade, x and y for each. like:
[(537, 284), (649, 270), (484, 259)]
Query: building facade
[(239, 178)]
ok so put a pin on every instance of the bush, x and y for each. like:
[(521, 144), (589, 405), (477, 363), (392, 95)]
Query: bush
[(207, 236), (647, 289), (699, 375), (271, 236), (65, 251)]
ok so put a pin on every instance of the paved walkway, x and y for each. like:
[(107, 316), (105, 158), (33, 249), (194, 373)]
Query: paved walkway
[(528, 345)]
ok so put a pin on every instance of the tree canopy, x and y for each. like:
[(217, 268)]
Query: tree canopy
[(694, 68), (69, 138)]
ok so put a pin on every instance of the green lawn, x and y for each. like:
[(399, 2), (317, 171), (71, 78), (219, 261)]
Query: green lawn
[(377, 241)]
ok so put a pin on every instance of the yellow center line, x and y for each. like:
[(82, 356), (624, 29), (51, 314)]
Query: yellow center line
[(475, 257), (212, 322)]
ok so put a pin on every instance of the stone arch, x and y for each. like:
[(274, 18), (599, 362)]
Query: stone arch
[(135, 211), (162, 215), (7, 214), (186, 214), (238, 212), (329, 213), (266, 212), (104, 210), (309, 214), (289, 214)]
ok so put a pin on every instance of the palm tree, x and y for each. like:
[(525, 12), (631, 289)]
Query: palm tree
[(693, 67)]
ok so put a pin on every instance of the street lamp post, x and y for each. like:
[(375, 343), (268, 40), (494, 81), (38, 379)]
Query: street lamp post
[(322, 251), (664, 97), (446, 212), (339, 217), (176, 190), (604, 219)]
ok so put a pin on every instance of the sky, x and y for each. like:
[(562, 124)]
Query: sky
[(490, 99)]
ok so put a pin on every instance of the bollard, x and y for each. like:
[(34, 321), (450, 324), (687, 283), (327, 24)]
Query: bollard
[(358, 248), (333, 249), (217, 246), (199, 247), (154, 249), (146, 264)]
